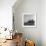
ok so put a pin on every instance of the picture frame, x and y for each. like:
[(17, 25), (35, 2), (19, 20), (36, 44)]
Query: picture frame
[(29, 19)]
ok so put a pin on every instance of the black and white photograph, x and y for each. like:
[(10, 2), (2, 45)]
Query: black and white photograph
[(29, 20)]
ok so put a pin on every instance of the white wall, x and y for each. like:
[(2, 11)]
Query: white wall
[(37, 33), (29, 6), (43, 22), (6, 13)]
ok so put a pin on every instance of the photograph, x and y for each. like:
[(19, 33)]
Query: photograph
[(29, 20)]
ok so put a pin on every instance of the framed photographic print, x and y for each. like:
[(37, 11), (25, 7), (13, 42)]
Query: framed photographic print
[(29, 20)]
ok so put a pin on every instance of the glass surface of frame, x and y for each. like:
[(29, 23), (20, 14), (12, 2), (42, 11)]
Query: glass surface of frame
[(29, 19)]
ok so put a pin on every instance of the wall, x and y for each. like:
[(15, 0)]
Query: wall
[(43, 22), (37, 33), (29, 6), (6, 13)]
